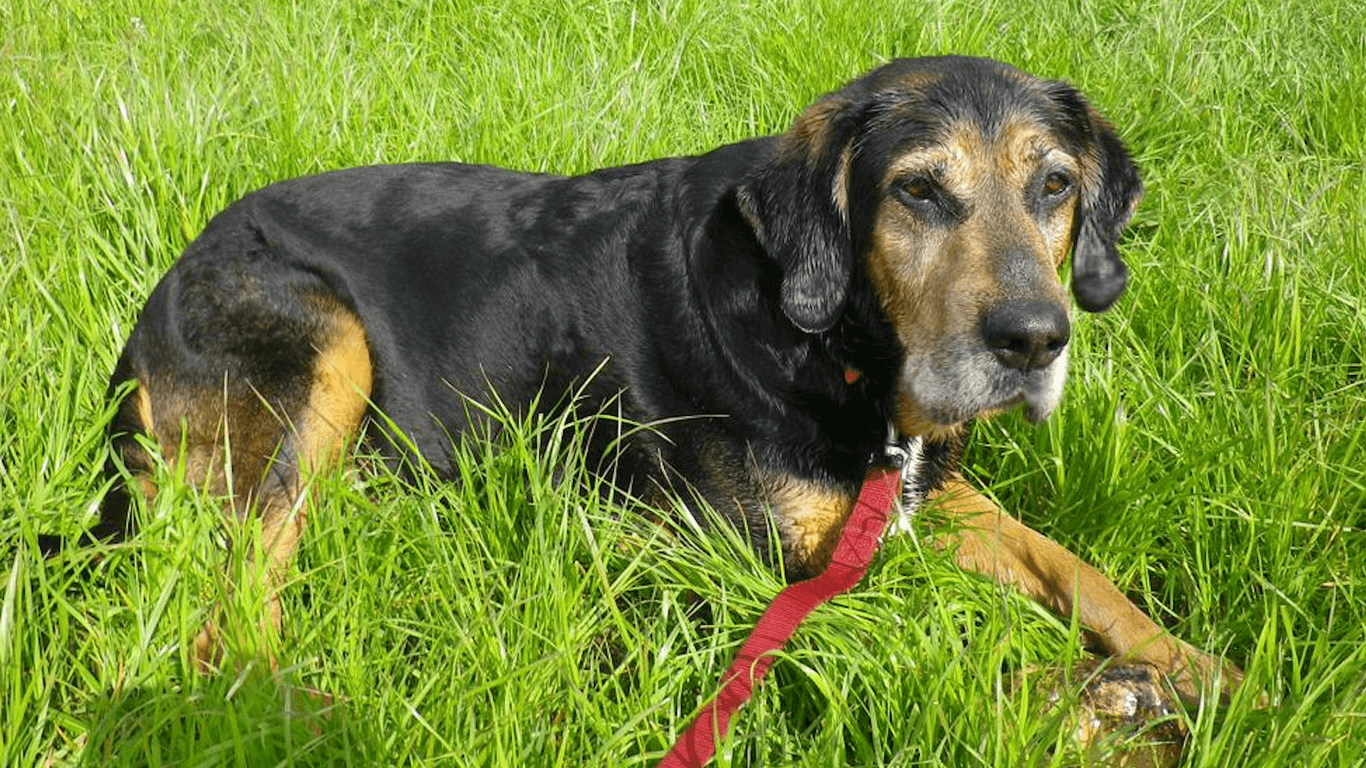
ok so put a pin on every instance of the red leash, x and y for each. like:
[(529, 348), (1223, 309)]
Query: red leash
[(849, 562)]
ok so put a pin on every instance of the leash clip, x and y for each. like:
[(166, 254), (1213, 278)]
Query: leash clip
[(907, 456)]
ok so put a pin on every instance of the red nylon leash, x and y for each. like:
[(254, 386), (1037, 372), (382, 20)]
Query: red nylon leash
[(850, 561)]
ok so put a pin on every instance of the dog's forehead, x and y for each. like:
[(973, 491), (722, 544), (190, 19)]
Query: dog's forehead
[(1015, 149), (961, 113), (923, 110), (957, 84)]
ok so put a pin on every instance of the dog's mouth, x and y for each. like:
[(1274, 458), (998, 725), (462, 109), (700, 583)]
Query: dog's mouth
[(941, 393), (1036, 409), (1037, 406)]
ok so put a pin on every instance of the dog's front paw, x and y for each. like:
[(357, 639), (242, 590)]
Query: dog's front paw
[(1119, 713)]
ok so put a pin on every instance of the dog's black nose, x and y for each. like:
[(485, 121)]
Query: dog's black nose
[(1026, 334)]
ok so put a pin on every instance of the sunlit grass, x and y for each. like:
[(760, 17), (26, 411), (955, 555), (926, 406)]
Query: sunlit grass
[(1211, 455)]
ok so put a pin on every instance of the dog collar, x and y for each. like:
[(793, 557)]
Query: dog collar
[(908, 456)]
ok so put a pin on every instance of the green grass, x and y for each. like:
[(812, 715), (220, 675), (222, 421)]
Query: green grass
[(1211, 455)]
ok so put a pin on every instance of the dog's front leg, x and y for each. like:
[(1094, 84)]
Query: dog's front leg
[(986, 540)]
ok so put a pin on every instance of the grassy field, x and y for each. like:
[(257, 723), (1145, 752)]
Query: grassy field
[(1211, 455)]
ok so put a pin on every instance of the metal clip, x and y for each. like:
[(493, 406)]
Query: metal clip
[(906, 456)]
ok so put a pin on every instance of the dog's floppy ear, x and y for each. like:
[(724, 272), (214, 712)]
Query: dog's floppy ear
[(1110, 193), (798, 205)]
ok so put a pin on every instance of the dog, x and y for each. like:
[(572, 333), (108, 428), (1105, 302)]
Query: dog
[(766, 310)]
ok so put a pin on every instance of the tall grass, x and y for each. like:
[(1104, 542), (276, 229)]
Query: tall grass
[(1211, 455)]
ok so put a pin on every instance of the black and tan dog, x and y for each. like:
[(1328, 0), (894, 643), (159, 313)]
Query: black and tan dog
[(768, 308)]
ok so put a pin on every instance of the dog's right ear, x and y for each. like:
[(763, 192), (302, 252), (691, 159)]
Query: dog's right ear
[(798, 206)]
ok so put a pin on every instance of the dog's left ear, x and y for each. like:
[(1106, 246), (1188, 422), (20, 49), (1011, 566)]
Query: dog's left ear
[(1110, 192), (798, 205)]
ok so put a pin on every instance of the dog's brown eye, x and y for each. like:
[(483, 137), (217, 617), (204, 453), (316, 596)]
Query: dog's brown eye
[(1056, 183), (917, 192), (918, 189)]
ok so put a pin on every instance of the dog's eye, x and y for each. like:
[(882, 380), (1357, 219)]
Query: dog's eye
[(919, 188), (1056, 184), (917, 191)]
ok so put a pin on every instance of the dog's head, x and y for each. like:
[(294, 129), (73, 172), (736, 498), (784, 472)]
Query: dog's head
[(946, 193)]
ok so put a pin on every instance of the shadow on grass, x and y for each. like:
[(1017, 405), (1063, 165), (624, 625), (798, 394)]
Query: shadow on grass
[(255, 719)]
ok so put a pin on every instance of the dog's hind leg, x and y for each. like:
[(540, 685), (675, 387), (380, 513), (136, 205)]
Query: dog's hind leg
[(314, 439), (250, 402)]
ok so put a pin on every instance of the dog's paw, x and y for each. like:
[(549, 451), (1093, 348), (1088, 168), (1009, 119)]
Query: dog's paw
[(1120, 714)]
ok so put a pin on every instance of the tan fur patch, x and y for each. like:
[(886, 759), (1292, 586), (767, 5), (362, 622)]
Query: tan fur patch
[(810, 516), (808, 134), (141, 466), (840, 192), (143, 408), (337, 400)]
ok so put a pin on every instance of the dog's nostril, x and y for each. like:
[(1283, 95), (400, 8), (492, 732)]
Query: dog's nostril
[(1026, 334)]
